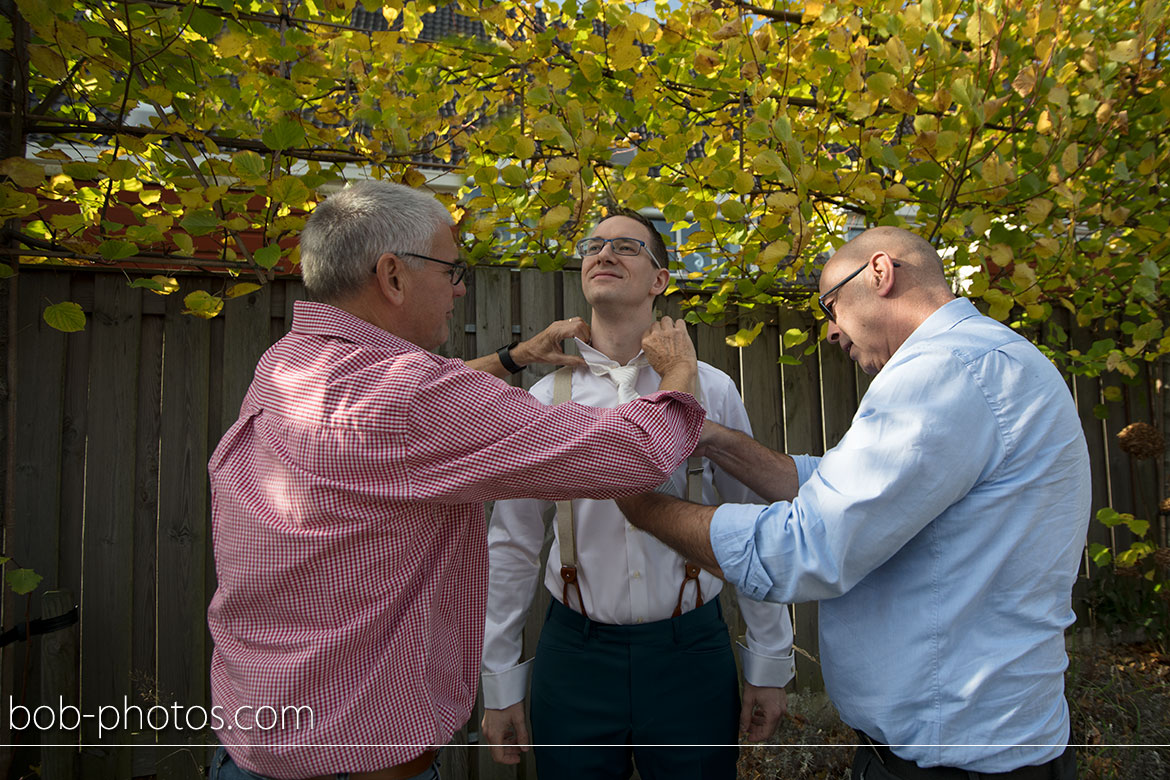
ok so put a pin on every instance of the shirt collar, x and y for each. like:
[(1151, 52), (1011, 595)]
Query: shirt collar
[(943, 319), (320, 319), (594, 357)]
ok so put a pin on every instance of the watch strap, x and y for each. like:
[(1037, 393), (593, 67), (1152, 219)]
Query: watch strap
[(504, 353)]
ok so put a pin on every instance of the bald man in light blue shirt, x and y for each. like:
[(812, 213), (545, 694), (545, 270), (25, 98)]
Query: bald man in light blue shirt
[(942, 535)]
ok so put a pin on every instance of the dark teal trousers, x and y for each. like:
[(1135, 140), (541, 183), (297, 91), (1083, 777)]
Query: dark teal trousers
[(663, 695)]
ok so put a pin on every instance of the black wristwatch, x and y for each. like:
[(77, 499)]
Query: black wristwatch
[(505, 355)]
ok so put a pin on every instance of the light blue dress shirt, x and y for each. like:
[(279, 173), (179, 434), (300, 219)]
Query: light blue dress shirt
[(942, 537)]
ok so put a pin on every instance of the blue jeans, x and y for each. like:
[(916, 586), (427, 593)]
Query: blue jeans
[(223, 768)]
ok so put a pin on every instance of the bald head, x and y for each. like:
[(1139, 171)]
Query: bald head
[(919, 263), (877, 289)]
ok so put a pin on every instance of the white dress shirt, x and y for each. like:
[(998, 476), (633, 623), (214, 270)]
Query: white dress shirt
[(626, 576)]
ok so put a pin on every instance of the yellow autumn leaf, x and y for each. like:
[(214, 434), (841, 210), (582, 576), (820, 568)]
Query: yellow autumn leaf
[(904, 101), (241, 288), (1124, 51), (1037, 210), (1000, 304), (524, 149), (23, 172), (1024, 82), (563, 167), (167, 284), (1044, 123), (1069, 158), (555, 217), (773, 253), (625, 57), (813, 10), (732, 29), (745, 336), (231, 43)]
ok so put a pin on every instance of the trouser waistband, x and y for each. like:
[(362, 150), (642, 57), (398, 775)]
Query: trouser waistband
[(668, 630), (908, 770)]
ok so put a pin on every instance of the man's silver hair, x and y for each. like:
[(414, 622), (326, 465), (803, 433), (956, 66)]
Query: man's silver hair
[(348, 231)]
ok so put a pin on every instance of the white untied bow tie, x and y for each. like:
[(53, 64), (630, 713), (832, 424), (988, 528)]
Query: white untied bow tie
[(624, 377)]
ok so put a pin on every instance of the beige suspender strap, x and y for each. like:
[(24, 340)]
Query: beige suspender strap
[(566, 530), (566, 537)]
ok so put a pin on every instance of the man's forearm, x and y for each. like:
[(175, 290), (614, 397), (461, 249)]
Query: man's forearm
[(489, 364), (681, 377), (771, 474), (684, 526)]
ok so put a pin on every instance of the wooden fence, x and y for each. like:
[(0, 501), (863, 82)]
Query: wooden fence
[(108, 435)]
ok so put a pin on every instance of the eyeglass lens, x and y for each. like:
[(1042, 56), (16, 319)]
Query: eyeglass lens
[(621, 246)]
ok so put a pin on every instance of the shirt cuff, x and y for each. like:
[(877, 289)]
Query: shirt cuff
[(503, 689), (733, 540), (805, 466), (766, 671)]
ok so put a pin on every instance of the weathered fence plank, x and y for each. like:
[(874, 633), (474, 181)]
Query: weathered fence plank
[(143, 670), (802, 434), (108, 578), (183, 643), (59, 687), (34, 539)]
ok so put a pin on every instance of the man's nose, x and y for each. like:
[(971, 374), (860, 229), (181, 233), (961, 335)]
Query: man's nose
[(607, 254), (461, 288), (834, 334)]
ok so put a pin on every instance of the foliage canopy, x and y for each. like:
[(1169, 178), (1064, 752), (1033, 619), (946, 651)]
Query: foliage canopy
[(1027, 137)]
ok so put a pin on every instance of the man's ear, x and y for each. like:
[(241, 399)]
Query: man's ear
[(390, 277), (661, 281), (882, 266)]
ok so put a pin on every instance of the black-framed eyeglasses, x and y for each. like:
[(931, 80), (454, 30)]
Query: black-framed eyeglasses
[(627, 247), (821, 298), (457, 272)]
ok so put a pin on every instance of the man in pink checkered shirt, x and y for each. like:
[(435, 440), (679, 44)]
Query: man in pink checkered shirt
[(347, 498)]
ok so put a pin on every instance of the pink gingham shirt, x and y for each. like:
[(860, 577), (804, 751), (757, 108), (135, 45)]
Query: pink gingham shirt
[(350, 543)]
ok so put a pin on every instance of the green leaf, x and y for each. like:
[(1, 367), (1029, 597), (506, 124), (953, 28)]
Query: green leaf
[(1100, 554), (206, 23), (249, 166), (200, 222), (82, 170), (285, 134), (203, 304), (289, 190), (7, 271), (158, 284), (117, 250), (66, 317), (184, 243), (266, 256), (1139, 527), (732, 210), (23, 581), (794, 336)]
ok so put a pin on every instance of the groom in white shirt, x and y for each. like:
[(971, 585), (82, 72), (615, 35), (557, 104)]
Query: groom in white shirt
[(634, 652)]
